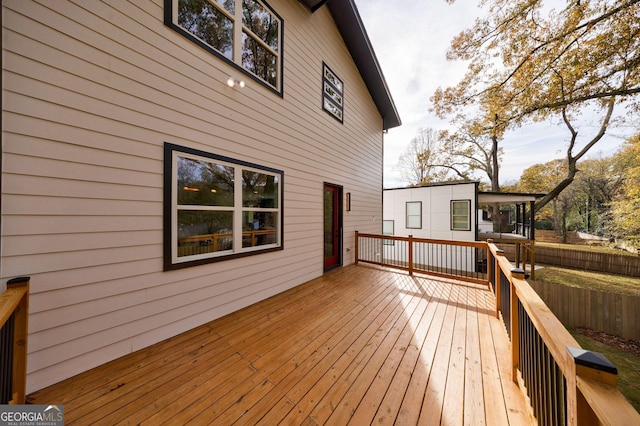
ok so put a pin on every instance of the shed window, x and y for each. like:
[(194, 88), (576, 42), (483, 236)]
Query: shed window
[(460, 215), (245, 33), (414, 214), (217, 207)]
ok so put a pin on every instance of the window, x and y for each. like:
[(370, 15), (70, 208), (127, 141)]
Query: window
[(387, 229), (332, 93), (414, 214), (460, 215), (217, 207), (245, 33)]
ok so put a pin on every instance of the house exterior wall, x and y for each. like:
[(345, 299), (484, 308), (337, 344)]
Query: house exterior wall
[(91, 92), (436, 210)]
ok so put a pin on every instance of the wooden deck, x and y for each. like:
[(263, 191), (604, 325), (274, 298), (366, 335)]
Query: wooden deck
[(360, 345)]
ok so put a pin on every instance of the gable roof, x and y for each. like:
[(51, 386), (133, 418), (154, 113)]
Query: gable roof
[(347, 19)]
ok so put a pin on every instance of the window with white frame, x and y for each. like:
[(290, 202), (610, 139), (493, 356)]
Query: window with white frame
[(218, 208), (246, 33), (461, 215), (414, 215)]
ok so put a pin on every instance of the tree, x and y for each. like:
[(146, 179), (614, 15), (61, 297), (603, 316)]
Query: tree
[(470, 148), (541, 178), (427, 160), (625, 209), (443, 156), (583, 205), (526, 64)]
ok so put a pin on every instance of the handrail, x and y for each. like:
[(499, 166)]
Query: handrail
[(565, 384), (462, 260), (14, 305), (561, 389)]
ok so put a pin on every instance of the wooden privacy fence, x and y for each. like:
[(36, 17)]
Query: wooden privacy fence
[(617, 314), (612, 263), (563, 383)]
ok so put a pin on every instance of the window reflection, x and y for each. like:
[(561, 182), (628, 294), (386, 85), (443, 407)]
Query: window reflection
[(259, 190), (216, 22), (219, 207), (204, 183), (260, 61), (201, 232), (260, 22), (259, 228), (208, 23)]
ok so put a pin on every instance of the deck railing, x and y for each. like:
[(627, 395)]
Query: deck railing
[(463, 260), (564, 384), (14, 304)]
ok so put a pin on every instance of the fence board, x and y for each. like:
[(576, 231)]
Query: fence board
[(613, 263), (610, 313)]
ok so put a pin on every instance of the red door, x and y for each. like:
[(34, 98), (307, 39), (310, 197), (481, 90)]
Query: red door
[(332, 226)]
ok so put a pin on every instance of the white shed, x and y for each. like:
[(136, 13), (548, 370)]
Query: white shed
[(439, 211)]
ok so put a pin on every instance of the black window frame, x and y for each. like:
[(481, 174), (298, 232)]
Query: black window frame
[(170, 209), (169, 22), (468, 203), (407, 215), (332, 106)]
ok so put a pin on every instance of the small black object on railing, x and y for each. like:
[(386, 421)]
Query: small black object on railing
[(593, 360)]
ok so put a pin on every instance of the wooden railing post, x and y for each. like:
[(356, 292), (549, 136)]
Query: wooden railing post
[(16, 302), (496, 265), (357, 248), (515, 329), (410, 249), (596, 375), (532, 259), (490, 265)]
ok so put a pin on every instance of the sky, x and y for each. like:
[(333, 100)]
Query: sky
[(410, 39)]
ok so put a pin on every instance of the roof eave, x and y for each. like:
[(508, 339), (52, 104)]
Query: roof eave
[(347, 19)]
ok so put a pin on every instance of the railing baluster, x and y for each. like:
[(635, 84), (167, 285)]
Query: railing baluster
[(538, 339)]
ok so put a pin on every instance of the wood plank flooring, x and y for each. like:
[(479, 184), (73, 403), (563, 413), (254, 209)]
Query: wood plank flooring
[(360, 345)]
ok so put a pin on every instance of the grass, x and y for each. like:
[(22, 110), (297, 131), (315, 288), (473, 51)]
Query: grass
[(628, 364), (591, 280), (628, 367), (586, 247)]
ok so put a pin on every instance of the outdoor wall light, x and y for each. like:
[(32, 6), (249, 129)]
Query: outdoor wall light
[(232, 82), (348, 203)]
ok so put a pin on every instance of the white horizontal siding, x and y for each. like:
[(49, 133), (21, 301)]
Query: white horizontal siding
[(436, 210), (91, 91)]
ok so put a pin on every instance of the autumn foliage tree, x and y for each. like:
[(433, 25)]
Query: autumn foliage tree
[(542, 178), (625, 209), (527, 63)]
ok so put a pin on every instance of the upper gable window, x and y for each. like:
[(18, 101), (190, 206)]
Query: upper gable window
[(245, 33), (332, 93)]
